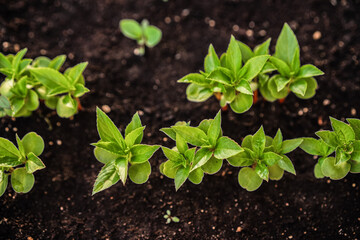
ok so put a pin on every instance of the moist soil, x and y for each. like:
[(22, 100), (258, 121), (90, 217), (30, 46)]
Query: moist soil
[(60, 205)]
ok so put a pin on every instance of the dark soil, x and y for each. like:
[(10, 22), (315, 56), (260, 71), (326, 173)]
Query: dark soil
[(60, 206)]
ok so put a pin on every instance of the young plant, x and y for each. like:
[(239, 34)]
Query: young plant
[(211, 148), (145, 34), (117, 152), (170, 218), (344, 140), (235, 78), (20, 162), (263, 158), (28, 81)]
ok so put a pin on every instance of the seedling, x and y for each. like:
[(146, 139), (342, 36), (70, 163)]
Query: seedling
[(170, 218), (20, 162), (344, 141), (117, 152), (145, 34), (263, 158), (235, 77), (28, 81), (211, 148)]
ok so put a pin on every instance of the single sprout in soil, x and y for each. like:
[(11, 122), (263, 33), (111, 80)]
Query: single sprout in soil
[(145, 34), (20, 162), (170, 218), (240, 72)]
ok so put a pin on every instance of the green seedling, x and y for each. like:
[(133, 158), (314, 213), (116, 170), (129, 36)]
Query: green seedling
[(263, 158), (235, 77), (170, 218), (344, 141), (27, 82), (20, 162), (117, 152), (211, 148), (145, 34)]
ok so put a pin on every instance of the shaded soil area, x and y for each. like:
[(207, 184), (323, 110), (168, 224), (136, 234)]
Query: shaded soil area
[(60, 206)]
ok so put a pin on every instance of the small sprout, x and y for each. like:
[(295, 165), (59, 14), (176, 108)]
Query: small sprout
[(207, 155), (170, 218), (20, 162), (117, 152), (338, 150), (145, 34), (235, 77)]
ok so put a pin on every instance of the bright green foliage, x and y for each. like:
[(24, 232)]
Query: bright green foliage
[(263, 158), (240, 71), (20, 162), (207, 155), (28, 81), (117, 152), (344, 141), (144, 34), (170, 218)]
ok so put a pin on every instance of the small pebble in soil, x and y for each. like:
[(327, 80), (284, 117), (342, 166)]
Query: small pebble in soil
[(185, 12), (262, 33), (167, 20), (249, 33), (326, 102), (238, 229), (51, 143), (236, 27), (317, 35), (6, 129), (141, 113), (353, 111), (165, 139), (62, 208), (71, 56), (58, 124), (212, 23), (5, 44), (43, 51), (16, 47), (353, 185), (106, 108), (15, 129), (58, 142), (177, 18)]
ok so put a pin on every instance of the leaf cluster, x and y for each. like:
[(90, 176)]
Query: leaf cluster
[(169, 218), (240, 71), (338, 150), (117, 153), (209, 150), (20, 162), (28, 81), (263, 158), (145, 34)]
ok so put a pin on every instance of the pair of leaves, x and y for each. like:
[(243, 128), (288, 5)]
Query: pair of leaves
[(117, 152)]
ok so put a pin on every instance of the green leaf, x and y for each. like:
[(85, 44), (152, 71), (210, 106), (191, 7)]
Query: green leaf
[(33, 163), (134, 124), (262, 49), (211, 60), (190, 154), (196, 78), (277, 141), (181, 176), (220, 75), (107, 129), (131, 29), (266, 93), (141, 153), (80, 90), (244, 87), (3, 184), (20, 147), (17, 59), (172, 155), (169, 132), (299, 87), (110, 146), (286, 45), (8, 149), (226, 148), (181, 144), (355, 155), (246, 52), (309, 70), (262, 171), (355, 125), (4, 62), (253, 67), (66, 106), (169, 168), (271, 158), (295, 63), (152, 35), (214, 129), (241, 103), (286, 164), (139, 173), (196, 176), (76, 72), (291, 145), (107, 177), (335, 172), (133, 136), (273, 88), (52, 79), (196, 93), (57, 62), (241, 159), (275, 172), (34, 143), (104, 156), (282, 67), (341, 156), (330, 138), (121, 166), (212, 166), (314, 147), (249, 179), (192, 135), (258, 141), (281, 82), (4, 103), (201, 157), (355, 168), (342, 130), (32, 101), (317, 171), (21, 181), (233, 57), (310, 89)]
